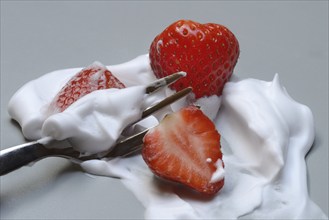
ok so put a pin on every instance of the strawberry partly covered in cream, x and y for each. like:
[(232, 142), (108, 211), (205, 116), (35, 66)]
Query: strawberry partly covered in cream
[(92, 78)]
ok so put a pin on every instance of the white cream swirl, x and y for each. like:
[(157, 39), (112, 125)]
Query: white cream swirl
[(265, 137)]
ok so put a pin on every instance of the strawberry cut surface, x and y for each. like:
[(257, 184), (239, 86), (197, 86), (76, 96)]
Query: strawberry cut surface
[(208, 54), (184, 148), (94, 77)]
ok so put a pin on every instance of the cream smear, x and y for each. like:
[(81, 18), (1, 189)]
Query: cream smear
[(265, 136), (93, 123)]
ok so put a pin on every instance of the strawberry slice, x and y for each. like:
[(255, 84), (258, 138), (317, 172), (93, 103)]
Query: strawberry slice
[(185, 148), (94, 77)]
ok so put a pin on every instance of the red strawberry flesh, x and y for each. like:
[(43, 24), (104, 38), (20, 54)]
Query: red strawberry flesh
[(94, 77), (184, 148), (207, 52)]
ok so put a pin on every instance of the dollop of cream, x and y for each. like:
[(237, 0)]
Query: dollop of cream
[(268, 135), (28, 106), (93, 123)]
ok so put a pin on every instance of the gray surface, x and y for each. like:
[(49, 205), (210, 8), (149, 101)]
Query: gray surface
[(289, 38)]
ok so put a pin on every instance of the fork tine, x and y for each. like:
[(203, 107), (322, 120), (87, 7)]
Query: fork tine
[(129, 145), (165, 102), (154, 86)]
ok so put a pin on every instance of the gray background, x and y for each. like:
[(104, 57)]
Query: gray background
[(289, 38)]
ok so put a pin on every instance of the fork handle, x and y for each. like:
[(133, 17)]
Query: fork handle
[(21, 155)]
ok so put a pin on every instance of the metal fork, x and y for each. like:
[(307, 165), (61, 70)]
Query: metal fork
[(15, 157)]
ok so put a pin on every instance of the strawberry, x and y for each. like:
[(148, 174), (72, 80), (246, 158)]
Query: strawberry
[(184, 148), (207, 52), (94, 77)]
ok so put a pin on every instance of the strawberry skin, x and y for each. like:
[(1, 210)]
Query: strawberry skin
[(207, 52), (94, 77), (184, 148)]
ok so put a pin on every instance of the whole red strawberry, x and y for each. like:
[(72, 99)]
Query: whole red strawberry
[(185, 148), (94, 77), (207, 52)]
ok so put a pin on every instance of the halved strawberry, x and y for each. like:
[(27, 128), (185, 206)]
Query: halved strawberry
[(184, 148), (94, 77)]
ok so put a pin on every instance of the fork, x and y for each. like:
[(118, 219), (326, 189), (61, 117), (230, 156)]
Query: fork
[(18, 156)]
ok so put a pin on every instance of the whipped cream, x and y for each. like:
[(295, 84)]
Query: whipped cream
[(265, 136), (93, 123), (30, 103), (268, 135)]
